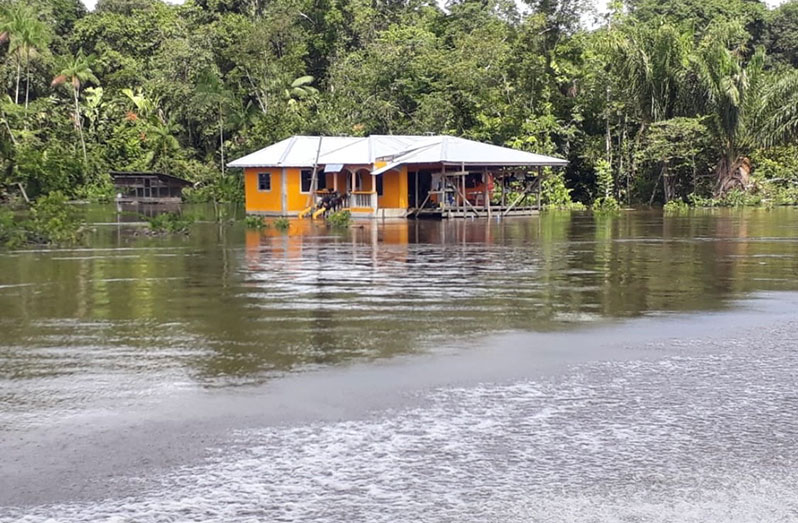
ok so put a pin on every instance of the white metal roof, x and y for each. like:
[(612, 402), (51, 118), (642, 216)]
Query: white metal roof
[(367, 150), (459, 151), (300, 151), (297, 151)]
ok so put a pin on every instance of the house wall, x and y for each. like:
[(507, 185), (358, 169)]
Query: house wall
[(394, 189), (262, 201), (296, 201), (287, 181)]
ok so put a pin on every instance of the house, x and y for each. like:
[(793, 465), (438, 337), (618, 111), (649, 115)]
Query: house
[(147, 187), (391, 176)]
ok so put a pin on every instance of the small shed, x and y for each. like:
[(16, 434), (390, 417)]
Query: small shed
[(148, 187)]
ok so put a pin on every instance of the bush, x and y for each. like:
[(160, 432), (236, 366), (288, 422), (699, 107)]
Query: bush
[(339, 219), (606, 205), (10, 233), (282, 224), (255, 222), (676, 207), (776, 163), (733, 198), (170, 223), (101, 192), (211, 186), (555, 195), (779, 195), (51, 221), (697, 200), (606, 202)]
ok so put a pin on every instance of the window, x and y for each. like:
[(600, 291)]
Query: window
[(264, 181), (379, 184), (307, 179), (473, 180)]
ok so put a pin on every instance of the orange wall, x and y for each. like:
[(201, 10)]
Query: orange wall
[(394, 189), (262, 200), (295, 201)]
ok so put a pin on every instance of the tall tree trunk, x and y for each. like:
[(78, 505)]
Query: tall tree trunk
[(221, 137), (668, 188), (608, 134), (80, 127), (19, 73), (27, 82)]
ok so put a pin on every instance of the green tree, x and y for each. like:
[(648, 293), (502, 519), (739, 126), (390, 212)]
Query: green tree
[(74, 71), (781, 34), (27, 36), (211, 92)]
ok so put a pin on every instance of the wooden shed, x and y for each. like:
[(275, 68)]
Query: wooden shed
[(148, 187)]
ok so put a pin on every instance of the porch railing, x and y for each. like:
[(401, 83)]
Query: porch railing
[(362, 199)]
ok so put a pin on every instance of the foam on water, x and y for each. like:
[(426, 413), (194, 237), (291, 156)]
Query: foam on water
[(707, 434)]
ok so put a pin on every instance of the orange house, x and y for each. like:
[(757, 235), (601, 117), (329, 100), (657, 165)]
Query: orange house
[(380, 176)]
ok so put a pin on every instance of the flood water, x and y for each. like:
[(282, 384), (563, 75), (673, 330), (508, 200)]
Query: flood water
[(564, 367)]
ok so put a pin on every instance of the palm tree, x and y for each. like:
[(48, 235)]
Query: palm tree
[(777, 114), (212, 92), (651, 60), (647, 65), (74, 72), (161, 135), (27, 36), (730, 81)]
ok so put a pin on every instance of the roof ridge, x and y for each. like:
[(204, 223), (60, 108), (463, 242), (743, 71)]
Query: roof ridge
[(370, 149), (288, 149)]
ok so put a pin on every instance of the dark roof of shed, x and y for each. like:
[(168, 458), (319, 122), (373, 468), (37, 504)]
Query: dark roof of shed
[(161, 176)]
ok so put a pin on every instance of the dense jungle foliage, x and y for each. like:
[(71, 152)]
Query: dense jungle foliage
[(651, 101)]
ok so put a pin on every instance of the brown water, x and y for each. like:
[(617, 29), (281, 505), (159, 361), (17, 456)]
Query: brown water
[(128, 321)]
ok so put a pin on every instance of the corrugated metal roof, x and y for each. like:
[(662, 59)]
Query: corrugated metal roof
[(459, 151), (300, 151), (297, 151)]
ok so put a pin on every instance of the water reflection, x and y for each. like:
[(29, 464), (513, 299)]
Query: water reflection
[(132, 315)]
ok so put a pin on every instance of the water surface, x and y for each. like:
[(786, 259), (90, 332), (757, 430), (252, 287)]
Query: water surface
[(130, 328)]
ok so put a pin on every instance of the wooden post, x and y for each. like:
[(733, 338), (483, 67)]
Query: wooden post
[(466, 202), (485, 202), (416, 201), (504, 189), (540, 182)]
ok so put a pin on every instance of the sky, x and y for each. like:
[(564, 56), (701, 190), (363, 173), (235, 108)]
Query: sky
[(599, 3)]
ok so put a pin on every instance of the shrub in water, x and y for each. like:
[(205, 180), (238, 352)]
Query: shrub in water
[(676, 207), (170, 222), (606, 202), (282, 224), (255, 222), (340, 219), (51, 221)]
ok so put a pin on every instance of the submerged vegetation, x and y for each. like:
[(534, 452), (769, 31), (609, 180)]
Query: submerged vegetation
[(339, 219), (663, 99), (170, 223), (51, 220), (255, 222)]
